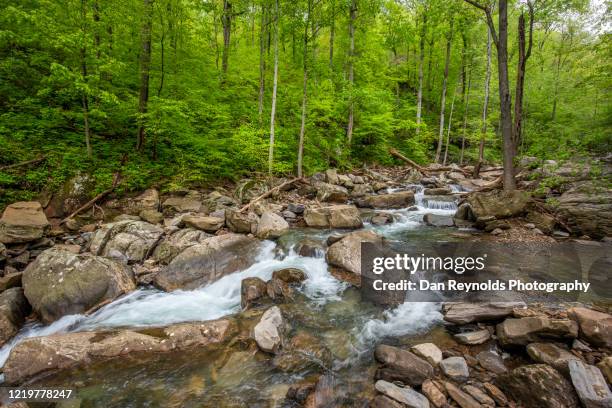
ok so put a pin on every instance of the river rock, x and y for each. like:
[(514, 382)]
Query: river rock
[(434, 394), (335, 216), (346, 253), (497, 394), (361, 190), (406, 395), (479, 395), (538, 385), (252, 292), (129, 241), (437, 191), (605, 365), (23, 221), (474, 337), (10, 280), (268, 332), (401, 365), (204, 223), (3, 253), (429, 352), (490, 360), (587, 209), (192, 202), (462, 398), (380, 401), (595, 327), (464, 313), (176, 242), (14, 308), (204, 263), (148, 200), (455, 368), (331, 176), (60, 282), (303, 351), (544, 222), (331, 193), (241, 222), (39, 355), (498, 203), (552, 355), (520, 332), (400, 199), (271, 226), (436, 220), (151, 216), (590, 385)]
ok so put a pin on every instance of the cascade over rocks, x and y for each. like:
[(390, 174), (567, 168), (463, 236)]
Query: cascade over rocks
[(39, 355), (23, 221), (60, 282), (206, 262), (129, 241)]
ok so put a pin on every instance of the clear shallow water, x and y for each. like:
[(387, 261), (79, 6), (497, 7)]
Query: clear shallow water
[(335, 313)]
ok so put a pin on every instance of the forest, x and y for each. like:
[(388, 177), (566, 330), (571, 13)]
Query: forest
[(180, 93)]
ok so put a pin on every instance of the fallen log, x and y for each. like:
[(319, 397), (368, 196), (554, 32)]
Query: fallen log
[(25, 163), (414, 165), (270, 192)]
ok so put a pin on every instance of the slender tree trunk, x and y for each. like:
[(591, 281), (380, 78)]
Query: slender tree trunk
[(449, 40), (556, 91), (524, 54), (145, 63), (304, 94), (262, 61), (421, 62), (274, 87), (162, 41), (450, 121), (485, 107), (84, 97), (332, 35), (352, 17), (466, 109), (226, 19)]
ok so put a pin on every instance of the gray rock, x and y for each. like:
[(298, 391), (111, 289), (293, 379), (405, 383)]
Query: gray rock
[(429, 352), (335, 216), (60, 282), (204, 223), (436, 220), (296, 208), (474, 337), (520, 332), (399, 199), (406, 395), (479, 395), (331, 193), (455, 368), (401, 365), (188, 203), (271, 226), (129, 241), (289, 215), (587, 209), (464, 313), (590, 385), (361, 190), (206, 262), (176, 242), (14, 308), (552, 355), (253, 291), (595, 327), (462, 398), (268, 332), (331, 176), (491, 361), (23, 221), (498, 203), (346, 253), (151, 216), (241, 222)]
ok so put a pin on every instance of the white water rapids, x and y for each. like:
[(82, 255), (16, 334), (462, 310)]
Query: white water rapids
[(151, 307)]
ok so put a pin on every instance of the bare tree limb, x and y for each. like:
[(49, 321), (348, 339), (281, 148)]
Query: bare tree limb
[(25, 163)]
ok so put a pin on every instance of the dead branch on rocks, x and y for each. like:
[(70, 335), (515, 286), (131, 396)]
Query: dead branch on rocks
[(414, 165), (25, 163), (270, 192)]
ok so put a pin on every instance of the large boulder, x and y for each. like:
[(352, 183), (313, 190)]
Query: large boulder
[(538, 386), (39, 355), (334, 216), (176, 242), (271, 226), (204, 222), (498, 203), (400, 199), (129, 241), (590, 385), (464, 313), (60, 282), (346, 253), (551, 354), (595, 327), (401, 365), (331, 193), (191, 202), (206, 262), (14, 308), (268, 333), (23, 221), (587, 209), (241, 222), (520, 332)]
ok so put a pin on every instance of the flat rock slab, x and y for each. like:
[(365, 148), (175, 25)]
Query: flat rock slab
[(455, 368), (552, 355), (590, 385), (405, 395), (402, 365), (520, 332), (464, 313), (595, 327), (474, 337), (429, 352), (23, 221)]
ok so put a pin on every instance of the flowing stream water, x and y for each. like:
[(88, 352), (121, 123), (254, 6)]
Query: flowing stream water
[(329, 309)]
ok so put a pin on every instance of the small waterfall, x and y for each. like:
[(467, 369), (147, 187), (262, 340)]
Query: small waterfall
[(440, 205)]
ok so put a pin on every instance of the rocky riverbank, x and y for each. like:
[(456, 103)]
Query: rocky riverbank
[(179, 242)]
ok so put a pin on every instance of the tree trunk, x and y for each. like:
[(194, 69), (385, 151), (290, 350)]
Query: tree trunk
[(226, 19), (466, 105), (162, 41), (421, 62), (304, 94), (274, 87), (84, 97), (485, 108), (145, 64), (332, 35), (556, 91), (262, 61), (450, 121), (524, 55), (352, 17), (449, 40)]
